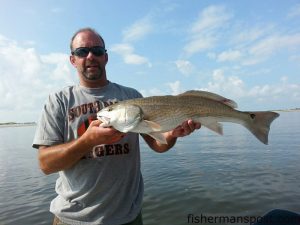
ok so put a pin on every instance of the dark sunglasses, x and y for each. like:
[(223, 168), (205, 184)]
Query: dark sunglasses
[(84, 51)]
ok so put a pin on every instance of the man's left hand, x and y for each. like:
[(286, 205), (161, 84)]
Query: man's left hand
[(186, 128)]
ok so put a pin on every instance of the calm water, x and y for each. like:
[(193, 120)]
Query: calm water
[(205, 174)]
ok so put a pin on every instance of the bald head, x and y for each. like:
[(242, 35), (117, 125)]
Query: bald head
[(86, 30)]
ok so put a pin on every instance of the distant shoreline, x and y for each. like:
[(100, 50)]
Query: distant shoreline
[(287, 110), (14, 124)]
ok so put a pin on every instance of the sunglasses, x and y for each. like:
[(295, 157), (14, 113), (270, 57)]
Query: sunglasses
[(84, 51)]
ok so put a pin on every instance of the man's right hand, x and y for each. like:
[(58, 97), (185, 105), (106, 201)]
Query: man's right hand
[(96, 134)]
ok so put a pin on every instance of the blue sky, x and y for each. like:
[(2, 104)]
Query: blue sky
[(245, 50)]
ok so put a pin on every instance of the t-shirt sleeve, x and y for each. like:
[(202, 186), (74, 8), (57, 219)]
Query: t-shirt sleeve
[(50, 127), (139, 95), (133, 93)]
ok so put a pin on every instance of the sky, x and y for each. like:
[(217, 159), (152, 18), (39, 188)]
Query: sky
[(248, 51)]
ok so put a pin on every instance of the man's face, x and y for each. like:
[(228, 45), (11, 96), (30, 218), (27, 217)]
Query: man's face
[(91, 67)]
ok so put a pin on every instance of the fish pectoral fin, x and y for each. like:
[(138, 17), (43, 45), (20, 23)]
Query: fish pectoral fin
[(159, 137), (152, 125), (126, 129), (214, 126)]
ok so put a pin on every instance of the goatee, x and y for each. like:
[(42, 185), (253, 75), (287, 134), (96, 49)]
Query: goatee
[(93, 75)]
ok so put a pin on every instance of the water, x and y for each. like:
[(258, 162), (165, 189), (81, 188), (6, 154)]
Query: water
[(203, 175)]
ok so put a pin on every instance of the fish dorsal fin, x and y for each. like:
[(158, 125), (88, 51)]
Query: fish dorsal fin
[(210, 95)]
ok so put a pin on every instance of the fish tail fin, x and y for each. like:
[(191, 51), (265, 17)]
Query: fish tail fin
[(259, 124)]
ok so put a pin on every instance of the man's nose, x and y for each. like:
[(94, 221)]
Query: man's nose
[(90, 55)]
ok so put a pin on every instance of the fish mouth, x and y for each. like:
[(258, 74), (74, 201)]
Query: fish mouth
[(104, 119)]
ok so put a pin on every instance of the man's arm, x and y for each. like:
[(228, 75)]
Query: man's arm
[(63, 156), (186, 128)]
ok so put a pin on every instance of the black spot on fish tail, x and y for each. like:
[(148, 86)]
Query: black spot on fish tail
[(259, 124)]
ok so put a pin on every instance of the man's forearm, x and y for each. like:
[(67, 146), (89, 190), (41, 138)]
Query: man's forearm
[(159, 147), (63, 156)]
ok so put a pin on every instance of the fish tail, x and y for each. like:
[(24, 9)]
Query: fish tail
[(259, 124)]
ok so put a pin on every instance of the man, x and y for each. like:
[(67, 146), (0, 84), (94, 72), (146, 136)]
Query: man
[(100, 181)]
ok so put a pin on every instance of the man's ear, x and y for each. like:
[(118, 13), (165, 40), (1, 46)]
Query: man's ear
[(106, 58), (72, 60)]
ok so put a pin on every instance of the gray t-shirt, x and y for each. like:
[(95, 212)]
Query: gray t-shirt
[(106, 186)]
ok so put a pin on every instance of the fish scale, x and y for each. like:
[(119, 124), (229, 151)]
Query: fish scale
[(155, 108)]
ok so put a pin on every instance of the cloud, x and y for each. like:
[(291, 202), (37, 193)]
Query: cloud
[(61, 69), (246, 45), (245, 36), (29, 43), (257, 44), (26, 78), (152, 92), (138, 30), (265, 48), (134, 32), (175, 87), (266, 94), (199, 43), (231, 86), (230, 55), (203, 32), (184, 66), (283, 94), (280, 92), (274, 43), (211, 18), (128, 55)]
